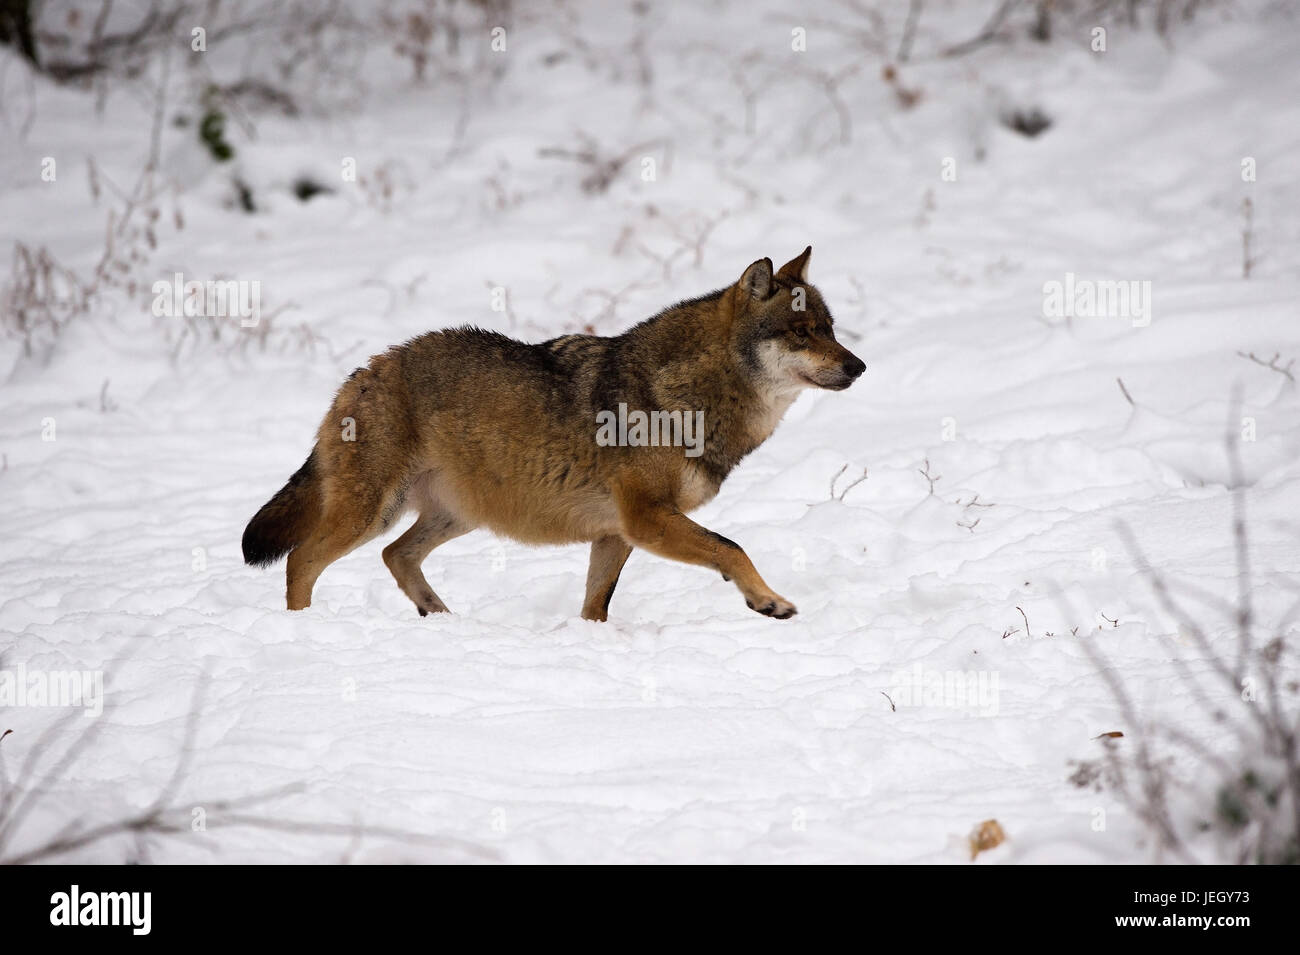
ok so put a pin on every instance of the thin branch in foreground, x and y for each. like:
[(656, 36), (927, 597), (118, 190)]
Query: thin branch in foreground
[(932, 479), (851, 486), (176, 820), (1241, 549), (1127, 396), (1271, 364), (165, 816)]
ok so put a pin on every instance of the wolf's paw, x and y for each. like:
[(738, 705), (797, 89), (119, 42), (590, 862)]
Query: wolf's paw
[(773, 606), (428, 603)]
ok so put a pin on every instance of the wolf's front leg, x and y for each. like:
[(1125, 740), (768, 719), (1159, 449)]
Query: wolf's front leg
[(664, 530)]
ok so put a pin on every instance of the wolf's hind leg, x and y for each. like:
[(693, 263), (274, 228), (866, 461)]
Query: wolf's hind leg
[(608, 555), (312, 556), (404, 556)]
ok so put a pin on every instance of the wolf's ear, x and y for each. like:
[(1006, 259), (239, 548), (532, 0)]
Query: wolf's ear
[(757, 280), (797, 268)]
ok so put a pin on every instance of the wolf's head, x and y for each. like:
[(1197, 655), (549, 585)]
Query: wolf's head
[(782, 328)]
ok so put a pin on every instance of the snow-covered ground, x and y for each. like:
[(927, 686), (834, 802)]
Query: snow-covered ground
[(687, 728)]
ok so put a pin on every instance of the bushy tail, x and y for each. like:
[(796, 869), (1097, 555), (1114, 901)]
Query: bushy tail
[(286, 519)]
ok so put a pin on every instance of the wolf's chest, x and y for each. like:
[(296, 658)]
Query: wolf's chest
[(695, 490), (767, 414)]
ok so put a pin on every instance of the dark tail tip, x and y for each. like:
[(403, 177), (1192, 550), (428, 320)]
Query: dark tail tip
[(260, 548), (285, 520)]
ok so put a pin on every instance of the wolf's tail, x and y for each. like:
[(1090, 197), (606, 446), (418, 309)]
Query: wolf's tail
[(286, 519)]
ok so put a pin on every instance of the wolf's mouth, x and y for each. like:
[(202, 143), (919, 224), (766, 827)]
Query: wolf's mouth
[(839, 384)]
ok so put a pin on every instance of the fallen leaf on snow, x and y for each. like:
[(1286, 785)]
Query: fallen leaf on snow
[(987, 835)]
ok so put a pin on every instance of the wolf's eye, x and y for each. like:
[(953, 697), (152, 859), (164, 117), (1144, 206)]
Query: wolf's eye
[(801, 331)]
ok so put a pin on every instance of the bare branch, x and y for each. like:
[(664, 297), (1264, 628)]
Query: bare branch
[(989, 32), (909, 30), (1271, 364), (1127, 396)]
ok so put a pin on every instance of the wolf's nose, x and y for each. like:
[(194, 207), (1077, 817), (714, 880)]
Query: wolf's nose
[(854, 366)]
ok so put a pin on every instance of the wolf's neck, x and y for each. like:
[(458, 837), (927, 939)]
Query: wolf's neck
[(737, 418), (695, 369)]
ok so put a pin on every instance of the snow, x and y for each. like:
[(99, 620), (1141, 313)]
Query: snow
[(686, 728)]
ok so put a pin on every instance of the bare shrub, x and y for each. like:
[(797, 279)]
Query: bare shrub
[(1245, 791), (39, 299)]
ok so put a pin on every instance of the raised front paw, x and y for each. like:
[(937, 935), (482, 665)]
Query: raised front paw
[(772, 606)]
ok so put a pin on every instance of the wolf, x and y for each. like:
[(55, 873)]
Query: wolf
[(473, 429)]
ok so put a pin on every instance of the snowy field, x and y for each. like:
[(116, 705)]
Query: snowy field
[(136, 446)]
